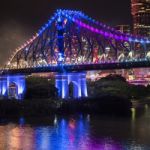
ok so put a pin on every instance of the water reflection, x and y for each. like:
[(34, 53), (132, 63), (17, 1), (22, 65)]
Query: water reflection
[(13, 137), (133, 114), (80, 132)]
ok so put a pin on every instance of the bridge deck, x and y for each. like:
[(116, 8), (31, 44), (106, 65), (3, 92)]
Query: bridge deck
[(78, 68)]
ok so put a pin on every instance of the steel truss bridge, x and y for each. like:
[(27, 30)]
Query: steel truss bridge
[(73, 42)]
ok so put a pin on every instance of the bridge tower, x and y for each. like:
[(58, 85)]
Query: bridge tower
[(63, 78), (60, 37)]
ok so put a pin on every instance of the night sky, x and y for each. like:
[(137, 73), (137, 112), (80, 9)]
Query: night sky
[(20, 19)]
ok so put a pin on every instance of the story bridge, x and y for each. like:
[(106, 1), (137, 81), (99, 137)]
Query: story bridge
[(70, 44)]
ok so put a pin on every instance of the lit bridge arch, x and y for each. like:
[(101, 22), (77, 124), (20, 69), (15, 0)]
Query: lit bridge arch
[(72, 42)]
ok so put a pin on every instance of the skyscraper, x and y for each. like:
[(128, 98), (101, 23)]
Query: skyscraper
[(123, 28), (141, 17)]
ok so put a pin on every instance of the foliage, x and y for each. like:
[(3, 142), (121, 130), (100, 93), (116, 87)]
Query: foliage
[(116, 85), (114, 77), (38, 87)]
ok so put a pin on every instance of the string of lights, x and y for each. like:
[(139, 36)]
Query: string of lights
[(85, 22)]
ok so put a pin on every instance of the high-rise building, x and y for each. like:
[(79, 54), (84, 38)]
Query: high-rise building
[(123, 28), (141, 17)]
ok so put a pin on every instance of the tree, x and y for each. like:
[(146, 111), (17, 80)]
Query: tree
[(38, 87)]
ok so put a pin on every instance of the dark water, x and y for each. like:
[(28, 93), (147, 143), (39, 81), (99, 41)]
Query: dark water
[(79, 132)]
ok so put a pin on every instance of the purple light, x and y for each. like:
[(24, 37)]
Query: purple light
[(121, 36), (111, 35), (106, 34), (92, 29), (102, 32)]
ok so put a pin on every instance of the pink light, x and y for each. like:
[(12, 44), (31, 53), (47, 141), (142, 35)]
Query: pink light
[(92, 29), (101, 32), (36, 34), (122, 37), (31, 40), (96, 30)]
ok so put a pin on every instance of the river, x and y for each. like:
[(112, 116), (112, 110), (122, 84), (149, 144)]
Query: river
[(77, 132)]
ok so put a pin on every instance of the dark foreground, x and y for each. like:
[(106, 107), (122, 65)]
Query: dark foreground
[(111, 105), (77, 132)]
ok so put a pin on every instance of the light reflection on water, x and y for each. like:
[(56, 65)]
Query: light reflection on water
[(80, 132)]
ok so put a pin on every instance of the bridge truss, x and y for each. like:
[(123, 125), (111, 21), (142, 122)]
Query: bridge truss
[(71, 37)]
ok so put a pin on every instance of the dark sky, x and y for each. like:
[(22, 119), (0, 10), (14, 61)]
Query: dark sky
[(19, 19)]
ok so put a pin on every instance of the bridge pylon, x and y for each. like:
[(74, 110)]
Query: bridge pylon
[(77, 80), (12, 86)]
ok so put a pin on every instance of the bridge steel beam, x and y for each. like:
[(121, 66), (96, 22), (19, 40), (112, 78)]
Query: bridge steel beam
[(60, 39), (12, 84), (77, 79)]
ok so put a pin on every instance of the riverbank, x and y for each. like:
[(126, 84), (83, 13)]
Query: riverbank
[(106, 104), (111, 95)]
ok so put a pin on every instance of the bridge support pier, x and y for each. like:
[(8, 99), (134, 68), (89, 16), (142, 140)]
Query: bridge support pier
[(12, 86), (3, 86), (78, 82)]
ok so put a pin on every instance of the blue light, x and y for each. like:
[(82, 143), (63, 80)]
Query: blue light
[(136, 40), (79, 84), (7, 81), (46, 25), (148, 41), (40, 32), (59, 11), (21, 121), (142, 41), (59, 19), (60, 57), (19, 80), (43, 28), (4, 90), (53, 18), (3, 85), (130, 39)]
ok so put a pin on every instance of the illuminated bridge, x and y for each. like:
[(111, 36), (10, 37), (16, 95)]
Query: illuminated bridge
[(70, 44)]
